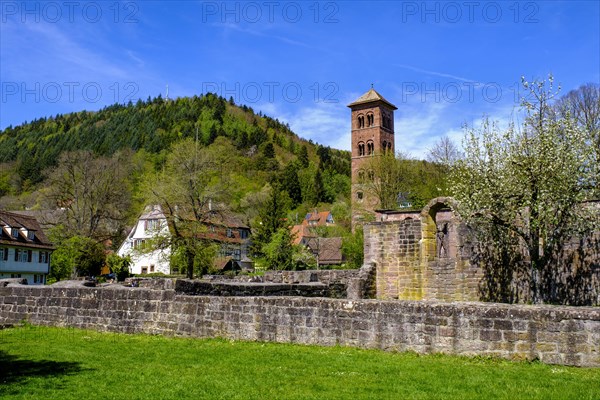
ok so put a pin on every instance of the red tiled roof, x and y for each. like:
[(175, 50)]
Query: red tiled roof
[(330, 250)]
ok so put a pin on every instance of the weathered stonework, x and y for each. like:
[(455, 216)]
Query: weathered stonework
[(558, 335), (422, 256)]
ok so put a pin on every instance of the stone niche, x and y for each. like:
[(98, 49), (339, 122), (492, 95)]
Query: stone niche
[(423, 256)]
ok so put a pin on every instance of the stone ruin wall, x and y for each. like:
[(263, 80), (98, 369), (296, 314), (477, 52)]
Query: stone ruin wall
[(427, 256), (422, 256), (557, 335)]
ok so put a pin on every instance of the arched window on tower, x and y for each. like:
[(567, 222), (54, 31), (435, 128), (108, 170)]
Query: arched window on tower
[(370, 148), (361, 176), (361, 121), (389, 146), (371, 175), (361, 149), (384, 147)]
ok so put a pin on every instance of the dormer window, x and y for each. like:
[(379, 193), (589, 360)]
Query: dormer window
[(151, 224), (30, 235), (14, 232)]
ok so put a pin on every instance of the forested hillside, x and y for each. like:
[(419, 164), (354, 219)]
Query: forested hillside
[(152, 126)]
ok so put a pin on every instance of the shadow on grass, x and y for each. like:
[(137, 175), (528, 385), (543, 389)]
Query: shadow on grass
[(14, 370)]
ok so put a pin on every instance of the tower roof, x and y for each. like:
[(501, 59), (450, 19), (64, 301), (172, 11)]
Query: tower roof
[(370, 97)]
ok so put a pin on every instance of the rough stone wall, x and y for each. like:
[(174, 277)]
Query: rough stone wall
[(423, 256), (313, 289), (351, 284), (561, 335), (323, 276), (394, 248)]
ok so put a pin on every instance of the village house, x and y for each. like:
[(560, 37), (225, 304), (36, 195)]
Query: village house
[(24, 249), (150, 224), (328, 251), (228, 231)]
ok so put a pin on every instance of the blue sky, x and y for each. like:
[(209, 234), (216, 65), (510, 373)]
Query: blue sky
[(443, 64)]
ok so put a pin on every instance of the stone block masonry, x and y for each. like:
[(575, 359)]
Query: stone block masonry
[(558, 335)]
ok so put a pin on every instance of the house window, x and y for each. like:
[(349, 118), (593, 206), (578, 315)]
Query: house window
[(30, 235), (43, 257), (144, 270), (15, 232), (151, 224), (23, 255), (152, 268), (229, 233), (38, 278), (139, 243), (243, 234), (15, 275), (3, 254)]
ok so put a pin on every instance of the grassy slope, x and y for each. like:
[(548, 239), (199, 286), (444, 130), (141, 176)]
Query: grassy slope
[(52, 363)]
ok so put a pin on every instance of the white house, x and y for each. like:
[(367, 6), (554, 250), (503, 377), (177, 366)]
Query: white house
[(24, 249), (150, 224)]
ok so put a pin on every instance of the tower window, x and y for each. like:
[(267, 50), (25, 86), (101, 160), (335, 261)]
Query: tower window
[(361, 121), (371, 175), (384, 147), (361, 176), (370, 120), (389, 146), (359, 196), (370, 148), (361, 149)]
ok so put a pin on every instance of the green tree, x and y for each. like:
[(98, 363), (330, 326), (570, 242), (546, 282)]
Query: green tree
[(279, 252), (353, 248), (93, 192), (77, 256), (529, 182), (303, 156), (120, 266), (386, 176), (189, 189), (291, 184), (271, 218)]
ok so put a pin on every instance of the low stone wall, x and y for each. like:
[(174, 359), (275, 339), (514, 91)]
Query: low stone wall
[(314, 289), (351, 284), (561, 335)]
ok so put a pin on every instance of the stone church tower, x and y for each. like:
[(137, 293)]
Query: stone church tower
[(372, 134)]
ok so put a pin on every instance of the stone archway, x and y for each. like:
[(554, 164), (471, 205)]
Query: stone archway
[(435, 238)]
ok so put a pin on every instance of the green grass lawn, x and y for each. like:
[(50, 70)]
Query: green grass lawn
[(64, 363)]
